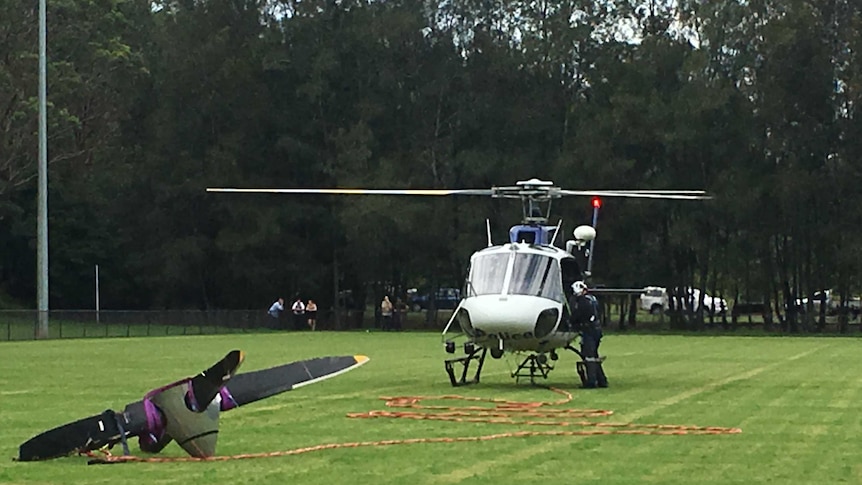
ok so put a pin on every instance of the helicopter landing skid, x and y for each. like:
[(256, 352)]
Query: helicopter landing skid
[(476, 355), (535, 365)]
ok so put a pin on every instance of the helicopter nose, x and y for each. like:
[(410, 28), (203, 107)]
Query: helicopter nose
[(519, 316)]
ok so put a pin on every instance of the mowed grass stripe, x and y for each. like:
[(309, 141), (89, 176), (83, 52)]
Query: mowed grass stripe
[(793, 397), (709, 386)]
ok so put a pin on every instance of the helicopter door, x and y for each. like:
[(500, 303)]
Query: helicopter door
[(571, 273)]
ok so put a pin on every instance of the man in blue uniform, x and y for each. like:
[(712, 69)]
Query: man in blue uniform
[(585, 316)]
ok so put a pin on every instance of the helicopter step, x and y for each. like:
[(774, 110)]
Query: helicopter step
[(533, 366), (473, 354)]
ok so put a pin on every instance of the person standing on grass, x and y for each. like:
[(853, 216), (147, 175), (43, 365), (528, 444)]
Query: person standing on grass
[(275, 309), (585, 315), (400, 313), (311, 314), (386, 309), (298, 310)]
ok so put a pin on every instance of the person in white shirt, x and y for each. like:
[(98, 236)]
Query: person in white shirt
[(298, 309)]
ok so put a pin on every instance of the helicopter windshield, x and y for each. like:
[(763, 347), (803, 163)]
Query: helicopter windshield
[(487, 274), (536, 275), (532, 274)]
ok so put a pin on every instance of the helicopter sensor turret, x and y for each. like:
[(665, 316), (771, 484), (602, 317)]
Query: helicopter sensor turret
[(584, 234)]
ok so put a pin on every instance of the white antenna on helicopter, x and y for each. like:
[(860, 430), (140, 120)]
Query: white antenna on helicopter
[(556, 231), (488, 230)]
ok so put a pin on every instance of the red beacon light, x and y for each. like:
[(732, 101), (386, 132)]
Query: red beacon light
[(597, 202)]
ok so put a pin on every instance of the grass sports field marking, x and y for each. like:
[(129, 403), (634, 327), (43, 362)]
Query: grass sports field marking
[(14, 393), (670, 401)]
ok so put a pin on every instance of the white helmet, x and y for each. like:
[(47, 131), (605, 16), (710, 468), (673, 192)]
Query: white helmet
[(579, 288)]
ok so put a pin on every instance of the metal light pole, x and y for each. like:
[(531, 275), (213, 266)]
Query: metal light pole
[(97, 293), (42, 218)]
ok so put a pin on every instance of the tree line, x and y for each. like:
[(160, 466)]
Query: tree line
[(150, 102)]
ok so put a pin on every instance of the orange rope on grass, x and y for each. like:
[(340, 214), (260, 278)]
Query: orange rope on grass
[(530, 414), (538, 413)]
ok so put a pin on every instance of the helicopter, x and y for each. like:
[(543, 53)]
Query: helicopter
[(515, 296)]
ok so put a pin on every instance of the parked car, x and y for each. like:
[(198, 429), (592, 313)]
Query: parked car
[(444, 299), (817, 298), (654, 299), (833, 303)]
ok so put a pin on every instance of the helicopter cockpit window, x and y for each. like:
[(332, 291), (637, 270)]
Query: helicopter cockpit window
[(487, 273), (528, 237), (536, 275)]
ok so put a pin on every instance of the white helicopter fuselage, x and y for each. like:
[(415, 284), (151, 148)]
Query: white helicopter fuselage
[(514, 298)]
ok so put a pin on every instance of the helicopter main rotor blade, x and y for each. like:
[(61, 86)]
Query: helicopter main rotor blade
[(432, 192), (637, 194), (682, 192)]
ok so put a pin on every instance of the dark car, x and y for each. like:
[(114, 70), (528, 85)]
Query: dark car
[(444, 299)]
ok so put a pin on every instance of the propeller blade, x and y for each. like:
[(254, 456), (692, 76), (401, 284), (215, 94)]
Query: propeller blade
[(636, 194), (435, 192)]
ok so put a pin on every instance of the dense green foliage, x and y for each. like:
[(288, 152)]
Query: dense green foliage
[(795, 400), (151, 102)]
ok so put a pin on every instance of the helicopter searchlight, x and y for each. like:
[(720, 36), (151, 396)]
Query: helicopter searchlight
[(515, 297)]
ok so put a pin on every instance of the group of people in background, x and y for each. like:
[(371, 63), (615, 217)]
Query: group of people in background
[(303, 314)]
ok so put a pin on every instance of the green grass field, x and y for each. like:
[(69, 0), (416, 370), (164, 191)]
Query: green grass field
[(796, 400)]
